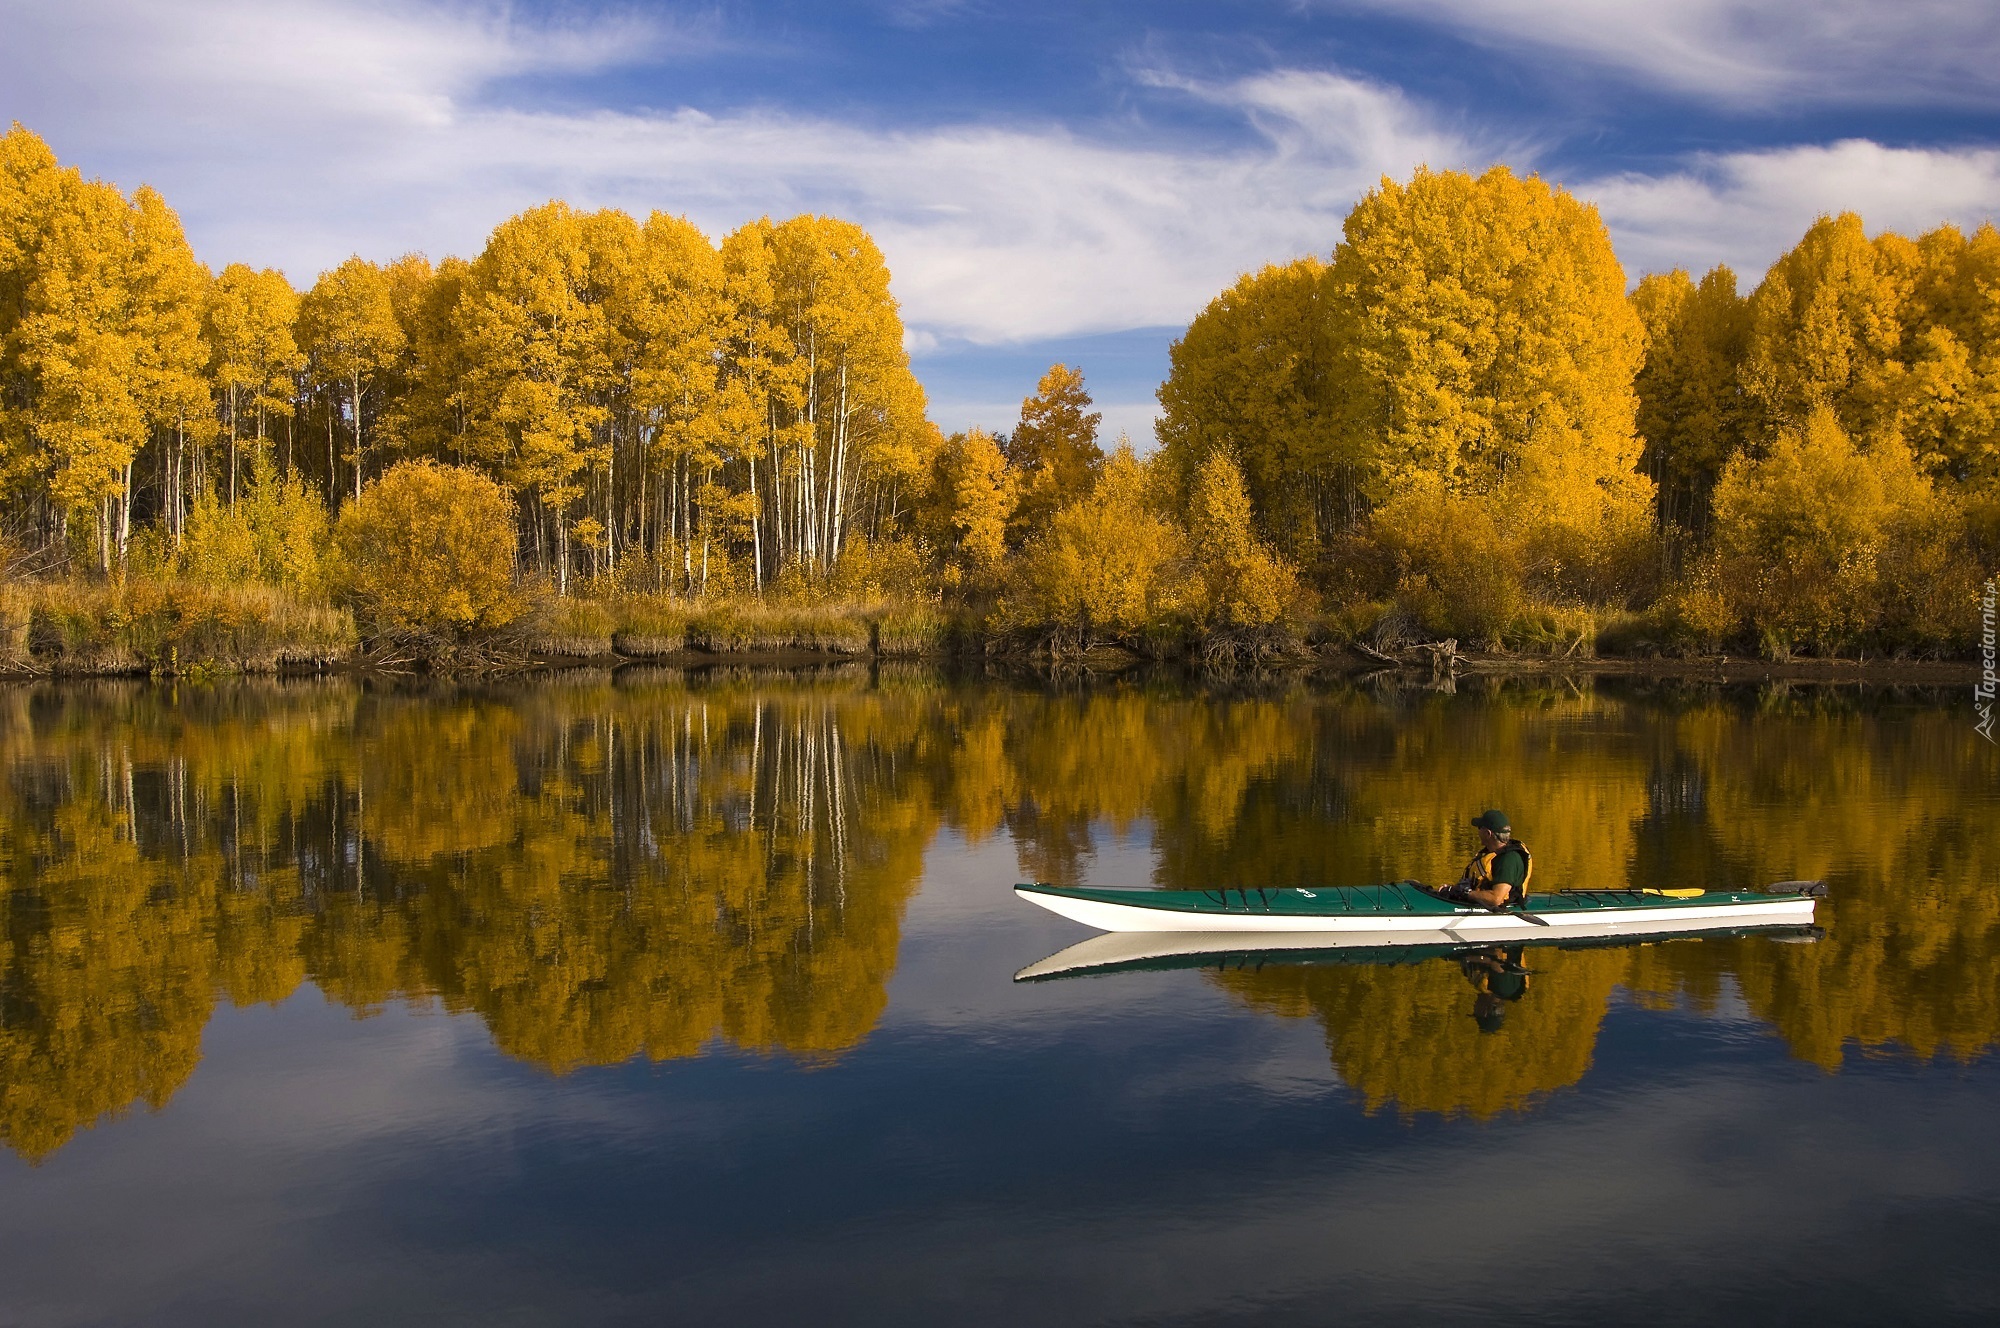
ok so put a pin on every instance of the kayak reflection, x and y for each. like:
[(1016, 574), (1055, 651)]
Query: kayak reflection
[(1434, 1028)]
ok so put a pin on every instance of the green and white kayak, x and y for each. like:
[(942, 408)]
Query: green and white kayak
[(1405, 913)]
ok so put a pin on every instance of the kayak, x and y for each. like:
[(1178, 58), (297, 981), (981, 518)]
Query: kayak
[(1159, 952), (1403, 912)]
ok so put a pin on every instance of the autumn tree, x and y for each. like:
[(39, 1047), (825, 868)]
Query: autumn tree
[(971, 495), (351, 337), (1941, 391), (1691, 410), (1053, 450), (84, 421), (691, 415), (169, 293), (1805, 534), (1105, 568), (537, 348), (1823, 324), (253, 355), (1239, 584), (858, 424), (429, 413), (1254, 375), (277, 534), (428, 553), (1483, 325)]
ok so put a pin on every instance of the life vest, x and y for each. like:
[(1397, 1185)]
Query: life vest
[(1479, 872)]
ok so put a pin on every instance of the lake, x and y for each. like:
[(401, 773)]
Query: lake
[(665, 997)]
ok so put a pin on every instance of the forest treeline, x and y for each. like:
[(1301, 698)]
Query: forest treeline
[(1461, 424), (605, 870)]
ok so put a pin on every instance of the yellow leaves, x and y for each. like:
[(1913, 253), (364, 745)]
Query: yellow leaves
[(1103, 567), (1240, 583), (429, 551), (1053, 451), (74, 344), (973, 494), (1254, 373), (538, 349), (1691, 412), (1482, 321), (351, 336), (1801, 534), (169, 292), (248, 324), (278, 534)]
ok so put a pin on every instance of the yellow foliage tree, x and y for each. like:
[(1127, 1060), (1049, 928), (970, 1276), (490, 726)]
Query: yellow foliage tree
[(1105, 567), (1053, 450), (1239, 585), (169, 293), (1254, 374), (1690, 411), (972, 495), (351, 337), (253, 356), (1484, 328), (277, 534), (1804, 535), (429, 553), (538, 354)]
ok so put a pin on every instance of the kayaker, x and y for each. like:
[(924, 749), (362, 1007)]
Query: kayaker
[(1498, 873)]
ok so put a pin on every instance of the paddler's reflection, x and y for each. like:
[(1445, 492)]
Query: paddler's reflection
[(1497, 974)]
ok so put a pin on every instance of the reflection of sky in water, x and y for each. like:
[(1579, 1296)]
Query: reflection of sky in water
[(1145, 1147)]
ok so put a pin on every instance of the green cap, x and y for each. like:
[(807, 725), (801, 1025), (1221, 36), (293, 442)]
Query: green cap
[(1494, 821)]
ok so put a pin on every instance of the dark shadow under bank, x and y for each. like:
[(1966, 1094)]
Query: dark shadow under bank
[(1329, 665)]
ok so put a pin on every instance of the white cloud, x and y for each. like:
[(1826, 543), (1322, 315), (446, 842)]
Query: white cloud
[(1746, 208), (295, 133), (1756, 52)]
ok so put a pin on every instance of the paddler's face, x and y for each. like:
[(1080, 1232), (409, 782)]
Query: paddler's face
[(1489, 840)]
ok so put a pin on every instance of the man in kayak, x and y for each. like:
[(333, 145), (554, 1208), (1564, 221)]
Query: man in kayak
[(1498, 873)]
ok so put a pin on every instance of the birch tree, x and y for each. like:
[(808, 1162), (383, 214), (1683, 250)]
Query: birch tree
[(348, 329)]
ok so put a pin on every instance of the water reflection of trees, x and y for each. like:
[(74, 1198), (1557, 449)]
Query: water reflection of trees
[(605, 870), (598, 871)]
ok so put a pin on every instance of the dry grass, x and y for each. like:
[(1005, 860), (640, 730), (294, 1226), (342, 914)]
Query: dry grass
[(914, 629), (575, 627), (166, 627)]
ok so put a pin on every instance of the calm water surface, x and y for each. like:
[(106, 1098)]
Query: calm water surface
[(672, 999)]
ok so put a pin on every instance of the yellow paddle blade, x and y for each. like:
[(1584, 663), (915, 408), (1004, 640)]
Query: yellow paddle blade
[(1690, 893)]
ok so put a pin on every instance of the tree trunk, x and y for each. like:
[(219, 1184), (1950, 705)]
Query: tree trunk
[(756, 530), (125, 519), (354, 399)]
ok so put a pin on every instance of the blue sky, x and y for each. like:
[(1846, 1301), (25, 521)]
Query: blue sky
[(1048, 181)]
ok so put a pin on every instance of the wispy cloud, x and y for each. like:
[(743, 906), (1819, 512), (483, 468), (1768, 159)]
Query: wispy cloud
[(1745, 208), (1751, 52), (293, 132)]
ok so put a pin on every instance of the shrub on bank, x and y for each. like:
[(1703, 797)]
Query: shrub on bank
[(1822, 546), (427, 556)]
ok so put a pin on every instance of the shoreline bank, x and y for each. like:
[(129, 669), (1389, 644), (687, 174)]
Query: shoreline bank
[(1332, 660)]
